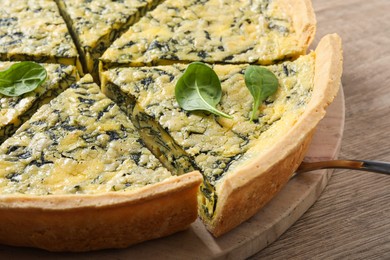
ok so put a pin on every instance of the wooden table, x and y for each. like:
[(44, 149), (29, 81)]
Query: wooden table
[(351, 219)]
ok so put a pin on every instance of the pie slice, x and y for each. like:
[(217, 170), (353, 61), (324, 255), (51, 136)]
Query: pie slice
[(96, 24), (77, 177), (244, 163), (214, 31), (34, 30), (14, 111)]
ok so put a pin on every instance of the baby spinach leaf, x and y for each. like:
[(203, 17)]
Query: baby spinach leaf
[(261, 83), (21, 78), (199, 89)]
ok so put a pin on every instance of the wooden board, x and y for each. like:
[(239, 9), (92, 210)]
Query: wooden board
[(250, 237)]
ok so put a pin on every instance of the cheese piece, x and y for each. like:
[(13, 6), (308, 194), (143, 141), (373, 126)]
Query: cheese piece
[(34, 30), (96, 24), (217, 146), (215, 31), (79, 143), (16, 110)]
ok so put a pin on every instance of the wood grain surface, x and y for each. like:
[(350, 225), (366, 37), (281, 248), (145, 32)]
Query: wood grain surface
[(351, 220)]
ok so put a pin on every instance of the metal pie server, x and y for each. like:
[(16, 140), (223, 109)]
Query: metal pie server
[(361, 165)]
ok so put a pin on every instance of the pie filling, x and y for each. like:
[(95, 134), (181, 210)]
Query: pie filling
[(16, 110), (35, 31), (214, 145), (153, 135), (94, 25), (213, 31), (81, 143)]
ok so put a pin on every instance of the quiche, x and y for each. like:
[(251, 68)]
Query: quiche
[(259, 31), (85, 168), (34, 30), (16, 110), (243, 162), (96, 24), (76, 176)]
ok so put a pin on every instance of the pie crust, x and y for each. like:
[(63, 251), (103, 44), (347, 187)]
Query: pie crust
[(90, 222)]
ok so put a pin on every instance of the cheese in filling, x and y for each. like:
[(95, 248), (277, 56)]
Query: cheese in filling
[(96, 24), (216, 145), (259, 31), (34, 30), (78, 143), (16, 110)]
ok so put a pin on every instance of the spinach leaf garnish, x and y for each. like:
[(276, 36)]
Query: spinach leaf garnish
[(199, 88), (21, 78), (261, 83)]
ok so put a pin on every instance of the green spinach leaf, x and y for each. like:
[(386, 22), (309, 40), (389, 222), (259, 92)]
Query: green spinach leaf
[(261, 83), (199, 89), (21, 78)]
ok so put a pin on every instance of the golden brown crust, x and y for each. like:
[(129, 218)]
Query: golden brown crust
[(304, 20), (90, 222), (244, 192)]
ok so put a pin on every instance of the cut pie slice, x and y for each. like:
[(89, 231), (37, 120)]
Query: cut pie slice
[(243, 163), (77, 177), (96, 24), (16, 110), (214, 31), (34, 30)]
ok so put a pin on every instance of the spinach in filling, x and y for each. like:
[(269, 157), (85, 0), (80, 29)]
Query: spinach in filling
[(214, 145)]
